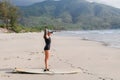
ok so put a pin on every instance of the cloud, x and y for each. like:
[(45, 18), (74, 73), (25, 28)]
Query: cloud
[(114, 3), (27, 0), (24, 2)]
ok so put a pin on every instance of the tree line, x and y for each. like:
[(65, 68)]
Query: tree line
[(58, 15), (71, 15), (8, 15)]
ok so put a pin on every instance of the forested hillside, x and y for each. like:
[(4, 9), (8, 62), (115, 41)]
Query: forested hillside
[(70, 14)]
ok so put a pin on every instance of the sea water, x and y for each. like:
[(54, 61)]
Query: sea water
[(110, 37)]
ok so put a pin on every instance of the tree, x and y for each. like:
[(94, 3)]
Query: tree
[(13, 15), (9, 14), (66, 17), (4, 13)]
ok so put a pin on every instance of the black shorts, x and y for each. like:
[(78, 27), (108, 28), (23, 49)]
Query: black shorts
[(47, 47)]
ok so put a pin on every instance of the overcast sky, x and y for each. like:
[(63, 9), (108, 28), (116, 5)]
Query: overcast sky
[(114, 3)]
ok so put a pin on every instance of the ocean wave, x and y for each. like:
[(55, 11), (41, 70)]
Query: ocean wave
[(111, 37)]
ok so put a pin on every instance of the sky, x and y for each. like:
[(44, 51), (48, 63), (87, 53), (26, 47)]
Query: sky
[(114, 3), (25, 2)]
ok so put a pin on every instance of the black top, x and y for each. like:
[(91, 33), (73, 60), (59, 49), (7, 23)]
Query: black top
[(47, 42)]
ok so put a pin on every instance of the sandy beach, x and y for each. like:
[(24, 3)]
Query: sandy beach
[(25, 50)]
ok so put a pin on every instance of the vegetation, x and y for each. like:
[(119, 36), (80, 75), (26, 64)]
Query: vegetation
[(71, 14), (59, 15), (8, 14)]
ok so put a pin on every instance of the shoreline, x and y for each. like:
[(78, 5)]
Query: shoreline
[(25, 50), (87, 37)]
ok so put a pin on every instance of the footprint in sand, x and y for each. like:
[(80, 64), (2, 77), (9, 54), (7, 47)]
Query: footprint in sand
[(82, 69), (5, 76), (29, 59), (17, 57), (85, 71), (42, 52), (6, 58), (33, 53), (101, 78)]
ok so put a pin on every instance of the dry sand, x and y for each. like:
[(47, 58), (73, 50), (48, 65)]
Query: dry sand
[(25, 50)]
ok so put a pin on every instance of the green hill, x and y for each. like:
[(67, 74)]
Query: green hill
[(71, 14)]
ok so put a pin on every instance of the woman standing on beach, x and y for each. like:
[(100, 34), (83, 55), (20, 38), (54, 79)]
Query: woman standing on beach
[(47, 39)]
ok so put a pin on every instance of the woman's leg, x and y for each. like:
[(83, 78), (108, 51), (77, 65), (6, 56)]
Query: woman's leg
[(46, 58)]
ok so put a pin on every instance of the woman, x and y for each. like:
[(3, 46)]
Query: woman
[(47, 39)]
